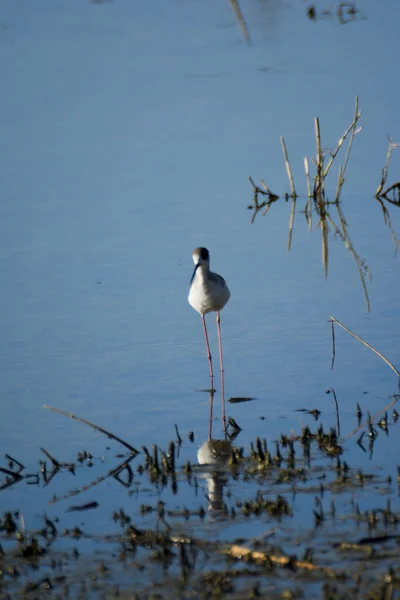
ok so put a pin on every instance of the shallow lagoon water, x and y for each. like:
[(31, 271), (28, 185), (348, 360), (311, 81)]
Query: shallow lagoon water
[(128, 135)]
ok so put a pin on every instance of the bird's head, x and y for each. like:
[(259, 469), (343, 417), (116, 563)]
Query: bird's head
[(201, 257)]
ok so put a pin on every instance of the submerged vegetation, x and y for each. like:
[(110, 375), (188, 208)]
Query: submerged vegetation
[(319, 520), (191, 562)]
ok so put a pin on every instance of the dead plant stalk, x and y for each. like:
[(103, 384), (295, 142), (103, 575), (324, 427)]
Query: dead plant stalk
[(335, 321)]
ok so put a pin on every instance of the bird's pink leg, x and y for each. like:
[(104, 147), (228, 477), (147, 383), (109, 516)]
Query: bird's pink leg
[(208, 351), (221, 363), (211, 411)]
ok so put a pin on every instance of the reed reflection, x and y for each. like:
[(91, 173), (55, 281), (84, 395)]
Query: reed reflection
[(328, 214)]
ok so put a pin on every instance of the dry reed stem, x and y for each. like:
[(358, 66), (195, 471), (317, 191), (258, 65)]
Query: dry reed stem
[(307, 172), (53, 461), (96, 427), (373, 418), (385, 169), (333, 320), (339, 183), (287, 165), (342, 170), (308, 206), (342, 139), (240, 19), (252, 182), (242, 553), (319, 179), (266, 188), (92, 484), (267, 209)]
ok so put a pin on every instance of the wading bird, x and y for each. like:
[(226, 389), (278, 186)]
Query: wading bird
[(209, 292)]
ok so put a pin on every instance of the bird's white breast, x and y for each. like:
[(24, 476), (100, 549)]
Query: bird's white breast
[(208, 292)]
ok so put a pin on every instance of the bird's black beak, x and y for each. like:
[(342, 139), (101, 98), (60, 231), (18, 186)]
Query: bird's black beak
[(194, 272)]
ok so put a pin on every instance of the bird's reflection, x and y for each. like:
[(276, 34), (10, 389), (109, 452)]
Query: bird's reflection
[(214, 456)]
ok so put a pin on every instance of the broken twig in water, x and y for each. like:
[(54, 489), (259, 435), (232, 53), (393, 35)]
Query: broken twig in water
[(333, 320), (96, 427), (319, 180), (112, 473), (280, 560), (354, 131), (51, 458), (240, 19), (373, 418)]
